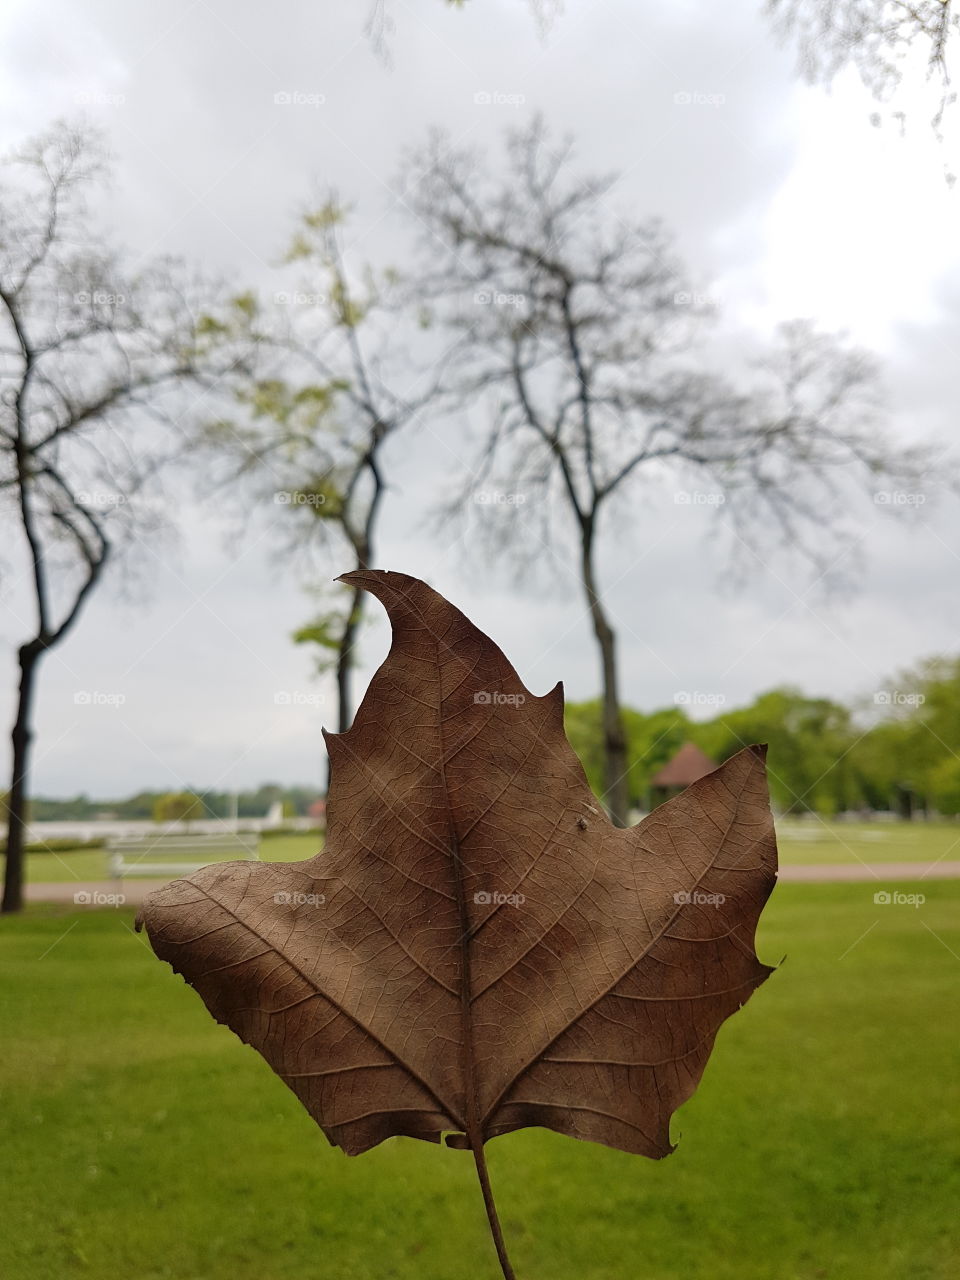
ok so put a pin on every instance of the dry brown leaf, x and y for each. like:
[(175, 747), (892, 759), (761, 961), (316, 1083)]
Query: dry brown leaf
[(477, 949)]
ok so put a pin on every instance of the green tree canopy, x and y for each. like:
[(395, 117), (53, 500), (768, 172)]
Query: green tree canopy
[(177, 806)]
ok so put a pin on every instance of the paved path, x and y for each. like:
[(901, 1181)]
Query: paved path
[(101, 892), (97, 893), (828, 872)]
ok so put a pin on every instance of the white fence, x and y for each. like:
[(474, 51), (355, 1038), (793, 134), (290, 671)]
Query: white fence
[(128, 830)]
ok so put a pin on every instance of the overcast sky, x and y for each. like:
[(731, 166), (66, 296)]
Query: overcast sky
[(783, 197)]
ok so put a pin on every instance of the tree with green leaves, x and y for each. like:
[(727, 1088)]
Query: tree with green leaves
[(331, 387), (809, 741), (653, 738), (944, 786), (178, 806), (911, 747)]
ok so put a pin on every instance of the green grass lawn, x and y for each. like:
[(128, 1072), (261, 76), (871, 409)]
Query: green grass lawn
[(140, 1139), (82, 865), (816, 841), (807, 842)]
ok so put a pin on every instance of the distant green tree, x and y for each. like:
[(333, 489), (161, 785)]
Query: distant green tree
[(178, 806), (652, 739), (138, 806), (929, 693), (881, 761), (944, 786), (809, 740), (919, 733)]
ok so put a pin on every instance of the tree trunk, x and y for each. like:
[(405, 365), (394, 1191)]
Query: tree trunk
[(345, 662), (17, 802), (361, 541), (616, 794)]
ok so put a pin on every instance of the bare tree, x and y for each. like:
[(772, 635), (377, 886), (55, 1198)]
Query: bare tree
[(380, 27), (331, 389), (584, 340), (875, 36), (92, 357)]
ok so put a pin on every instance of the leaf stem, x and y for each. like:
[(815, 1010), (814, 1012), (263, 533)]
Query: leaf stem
[(491, 1208)]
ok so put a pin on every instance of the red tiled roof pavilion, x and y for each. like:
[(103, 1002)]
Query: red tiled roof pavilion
[(688, 765)]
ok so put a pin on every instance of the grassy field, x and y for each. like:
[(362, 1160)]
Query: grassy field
[(816, 841), (142, 1140), (807, 842), (47, 868)]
